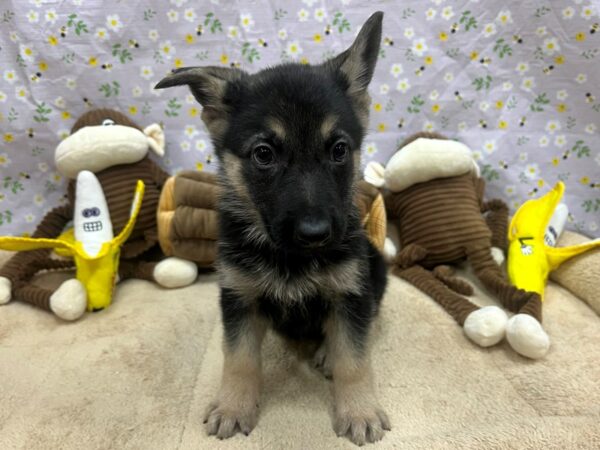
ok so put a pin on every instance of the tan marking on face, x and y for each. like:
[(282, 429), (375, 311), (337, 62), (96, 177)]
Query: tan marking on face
[(328, 126), (233, 172), (277, 127)]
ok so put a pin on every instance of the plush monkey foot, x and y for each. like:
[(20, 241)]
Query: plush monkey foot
[(5, 290), (486, 326), (70, 300), (527, 337), (175, 272)]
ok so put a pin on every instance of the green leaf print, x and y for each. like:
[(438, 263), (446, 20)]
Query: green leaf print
[(409, 54), (591, 205), (540, 12), (158, 57), (146, 108), (280, 14), (149, 14), (452, 52), (68, 58), (12, 115), (15, 186), (591, 53), (122, 53), (250, 53), (341, 22), (502, 48), (522, 140), (110, 89), (489, 173), (512, 102), (213, 22), (468, 20), (42, 112), (7, 16), (539, 102), (408, 12), (203, 55), (21, 62), (467, 104), (37, 151), (6, 217), (571, 122), (78, 25), (482, 82), (173, 107), (415, 104), (581, 149)]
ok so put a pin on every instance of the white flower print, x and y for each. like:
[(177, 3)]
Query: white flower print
[(528, 84), (523, 157), (544, 141), (552, 126), (233, 32), (430, 14), (27, 52), (51, 16), (510, 190), (384, 89), (246, 21), (293, 48), (560, 140), (541, 31), (185, 146), (21, 93), (448, 77), (33, 16), (489, 29), (153, 35), (581, 78), (562, 94), (434, 95), (320, 14), (146, 72), (190, 131), (507, 86), (137, 91), (403, 85), (309, 3), (462, 126), (282, 34), (447, 13), (484, 106), (587, 12), (101, 34), (166, 49), (409, 33), (590, 128), (532, 171), (200, 145), (489, 146), (477, 155), (10, 76), (504, 17), (113, 22), (396, 70), (173, 16), (3, 97), (550, 46), (370, 148), (522, 68), (428, 126), (59, 102), (70, 83), (568, 12), (4, 160), (303, 15), (419, 47)]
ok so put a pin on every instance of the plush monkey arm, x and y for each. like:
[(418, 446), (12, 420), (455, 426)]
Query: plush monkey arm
[(497, 221), (158, 174)]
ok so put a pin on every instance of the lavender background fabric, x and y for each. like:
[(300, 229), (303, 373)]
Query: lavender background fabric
[(516, 80)]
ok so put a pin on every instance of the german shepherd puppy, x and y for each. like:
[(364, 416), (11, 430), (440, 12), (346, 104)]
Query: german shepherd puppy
[(292, 252)]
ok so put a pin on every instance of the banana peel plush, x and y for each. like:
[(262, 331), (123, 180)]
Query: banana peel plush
[(530, 261), (91, 243)]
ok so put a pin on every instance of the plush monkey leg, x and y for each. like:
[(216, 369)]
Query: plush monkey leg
[(524, 330), (484, 326), (497, 221), (171, 272), (490, 274), (410, 255), (446, 275)]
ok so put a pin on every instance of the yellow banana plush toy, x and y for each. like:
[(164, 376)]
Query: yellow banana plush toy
[(91, 242), (532, 234)]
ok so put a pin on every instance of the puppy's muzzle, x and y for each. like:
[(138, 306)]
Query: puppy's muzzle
[(312, 232)]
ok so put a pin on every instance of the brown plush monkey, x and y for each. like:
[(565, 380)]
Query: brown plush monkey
[(115, 148), (435, 198)]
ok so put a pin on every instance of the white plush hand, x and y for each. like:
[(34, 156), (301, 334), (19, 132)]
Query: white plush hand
[(486, 326), (498, 255), (5, 290), (389, 250), (70, 300), (175, 272)]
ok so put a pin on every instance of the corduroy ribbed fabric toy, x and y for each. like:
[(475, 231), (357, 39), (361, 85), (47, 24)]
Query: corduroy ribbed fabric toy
[(115, 149), (435, 199)]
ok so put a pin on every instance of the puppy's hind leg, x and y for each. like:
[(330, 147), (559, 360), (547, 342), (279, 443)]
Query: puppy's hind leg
[(357, 413), (236, 405)]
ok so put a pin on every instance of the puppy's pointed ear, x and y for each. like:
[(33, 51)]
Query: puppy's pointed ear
[(213, 87), (357, 63)]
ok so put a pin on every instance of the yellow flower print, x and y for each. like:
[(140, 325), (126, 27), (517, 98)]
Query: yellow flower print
[(474, 55), (178, 62), (93, 61), (584, 180), (443, 36), (555, 161), (561, 107), (224, 58), (435, 108), (377, 107), (193, 112), (199, 166), (540, 183), (8, 137), (133, 110), (560, 59), (502, 124), (189, 38), (381, 127), (43, 66), (52, 40), (429, 60), (499, 104), (65, 115), (318, 38), (580, 37)]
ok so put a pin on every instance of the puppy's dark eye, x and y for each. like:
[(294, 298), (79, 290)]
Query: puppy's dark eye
[(263, 155), (339, 152)]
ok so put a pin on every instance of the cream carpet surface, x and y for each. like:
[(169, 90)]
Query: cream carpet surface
[(139, 375)]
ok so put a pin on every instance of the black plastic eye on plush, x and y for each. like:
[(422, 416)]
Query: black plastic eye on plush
[(87, 212), (95, 212), (263, 155), (339, 152), (107, 122)]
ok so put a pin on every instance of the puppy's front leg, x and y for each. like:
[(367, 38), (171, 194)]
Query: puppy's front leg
[(357, 411), (236, 405)]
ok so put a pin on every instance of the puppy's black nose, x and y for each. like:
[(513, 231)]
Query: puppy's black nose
[(313, 232)]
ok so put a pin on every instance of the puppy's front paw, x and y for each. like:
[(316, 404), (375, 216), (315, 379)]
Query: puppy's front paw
[(367, 424), (223, 418)]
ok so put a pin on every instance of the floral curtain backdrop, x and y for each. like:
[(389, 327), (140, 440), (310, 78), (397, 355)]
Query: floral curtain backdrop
[(516, 80)]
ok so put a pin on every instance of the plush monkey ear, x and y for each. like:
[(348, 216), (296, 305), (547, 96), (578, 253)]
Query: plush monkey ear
[(156, 138), (209, 85), (357, 63)]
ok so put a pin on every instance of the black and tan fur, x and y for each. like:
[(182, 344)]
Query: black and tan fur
[(292, 252)]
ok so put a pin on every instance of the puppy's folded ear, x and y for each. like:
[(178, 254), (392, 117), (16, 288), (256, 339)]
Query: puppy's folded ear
[(357, 63), (215, 88)]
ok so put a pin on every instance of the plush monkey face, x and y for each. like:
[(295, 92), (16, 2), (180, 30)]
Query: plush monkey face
[(103, 138)]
